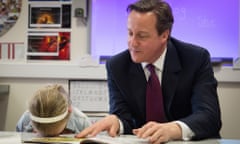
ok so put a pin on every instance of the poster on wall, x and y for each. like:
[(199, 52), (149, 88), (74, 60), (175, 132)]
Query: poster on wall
[(50, 0), (49, 15), (9, 14), (48, 46)]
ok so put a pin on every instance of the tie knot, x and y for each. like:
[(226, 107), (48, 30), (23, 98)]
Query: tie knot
[(151, 68)]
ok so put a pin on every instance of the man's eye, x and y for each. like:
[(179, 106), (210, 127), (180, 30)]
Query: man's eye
[(130, 34), (142, 36)]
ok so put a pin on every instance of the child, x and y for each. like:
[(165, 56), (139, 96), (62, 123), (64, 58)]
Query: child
[(50, 114)]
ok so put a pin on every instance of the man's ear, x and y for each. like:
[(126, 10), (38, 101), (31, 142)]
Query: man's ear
[(165, 34)]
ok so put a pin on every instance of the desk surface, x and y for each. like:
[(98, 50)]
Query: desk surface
[(212, 141), (16, 138)]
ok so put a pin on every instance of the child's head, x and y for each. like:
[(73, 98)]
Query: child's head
[(49, 110)]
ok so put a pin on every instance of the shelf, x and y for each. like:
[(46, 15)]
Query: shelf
[(227, 74), (56, 71), (76, 71)]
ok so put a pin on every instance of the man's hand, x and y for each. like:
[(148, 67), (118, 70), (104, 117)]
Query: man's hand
[(109, 123), (159, 132)]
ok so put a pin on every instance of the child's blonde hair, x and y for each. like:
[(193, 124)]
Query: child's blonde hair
[(49, 109)]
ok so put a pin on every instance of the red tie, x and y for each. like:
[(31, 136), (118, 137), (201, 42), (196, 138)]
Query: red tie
[(154, 99)]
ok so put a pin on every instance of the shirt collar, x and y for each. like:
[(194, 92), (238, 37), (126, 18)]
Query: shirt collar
[(159, 63)]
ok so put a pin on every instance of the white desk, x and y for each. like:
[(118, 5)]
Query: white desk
[(16, 138), (212, 141)]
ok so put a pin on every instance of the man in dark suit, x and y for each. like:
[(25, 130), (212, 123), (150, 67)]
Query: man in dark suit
[(185, 72)]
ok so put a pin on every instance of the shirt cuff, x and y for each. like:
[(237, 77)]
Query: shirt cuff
[(187, 133), (121, 129)]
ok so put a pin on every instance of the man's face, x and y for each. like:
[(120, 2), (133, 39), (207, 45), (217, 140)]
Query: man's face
[(144, 43)]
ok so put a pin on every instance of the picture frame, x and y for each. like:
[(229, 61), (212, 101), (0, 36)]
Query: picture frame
[(48, 46), (49, 15)]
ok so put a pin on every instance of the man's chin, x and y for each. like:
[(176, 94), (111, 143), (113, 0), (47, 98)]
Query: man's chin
[(136, 60)]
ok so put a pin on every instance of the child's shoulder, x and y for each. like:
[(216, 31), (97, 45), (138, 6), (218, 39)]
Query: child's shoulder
[(78, 113), (24, 123), (26, 115)]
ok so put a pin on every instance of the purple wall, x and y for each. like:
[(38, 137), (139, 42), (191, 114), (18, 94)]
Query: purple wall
[(212, 24)]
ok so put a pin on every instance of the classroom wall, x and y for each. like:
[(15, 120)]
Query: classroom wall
[(229, 97), (23, 88)]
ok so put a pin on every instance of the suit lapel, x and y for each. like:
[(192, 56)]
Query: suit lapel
[(172, 67), (138, 84)]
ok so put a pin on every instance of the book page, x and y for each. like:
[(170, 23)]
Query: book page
[(122, 139), (62, 139)]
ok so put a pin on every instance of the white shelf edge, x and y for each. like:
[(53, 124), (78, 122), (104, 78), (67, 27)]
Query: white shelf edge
[(75, 71), (227, 74), (56, 71)]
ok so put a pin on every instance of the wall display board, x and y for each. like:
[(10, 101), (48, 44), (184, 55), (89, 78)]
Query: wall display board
[(89, 95), (49, 25), (9, 14)]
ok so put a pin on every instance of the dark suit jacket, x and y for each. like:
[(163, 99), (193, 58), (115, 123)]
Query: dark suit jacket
[(188, 84)]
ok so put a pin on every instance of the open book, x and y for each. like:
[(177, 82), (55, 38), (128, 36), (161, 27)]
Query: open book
[(62, 139), (122, 139), (99, 139)]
